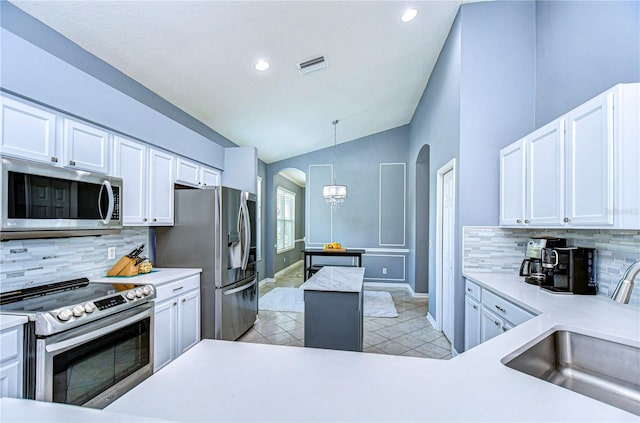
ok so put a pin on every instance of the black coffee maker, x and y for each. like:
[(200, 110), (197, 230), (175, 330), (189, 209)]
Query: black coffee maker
[(536, 268), (574, 271)]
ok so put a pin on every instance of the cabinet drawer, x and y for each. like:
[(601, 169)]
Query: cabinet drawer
[(9, 343), (505, 309), (473, 290), (181, 286)]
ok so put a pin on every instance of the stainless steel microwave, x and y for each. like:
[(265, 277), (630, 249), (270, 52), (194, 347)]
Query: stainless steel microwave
[(43, 201)]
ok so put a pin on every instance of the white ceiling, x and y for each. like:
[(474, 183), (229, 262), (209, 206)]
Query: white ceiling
[(199, 55)]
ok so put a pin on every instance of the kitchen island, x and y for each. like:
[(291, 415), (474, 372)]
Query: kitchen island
[(333, 308), (213, 381)]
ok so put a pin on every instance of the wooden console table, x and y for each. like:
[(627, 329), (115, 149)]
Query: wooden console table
[(310, 253)]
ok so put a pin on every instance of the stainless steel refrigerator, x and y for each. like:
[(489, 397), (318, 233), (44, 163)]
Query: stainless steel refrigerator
[(214, 229)]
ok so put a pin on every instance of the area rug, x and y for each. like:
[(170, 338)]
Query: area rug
[(376, 303)]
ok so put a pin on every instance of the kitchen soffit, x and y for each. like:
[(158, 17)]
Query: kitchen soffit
[(199, 55)]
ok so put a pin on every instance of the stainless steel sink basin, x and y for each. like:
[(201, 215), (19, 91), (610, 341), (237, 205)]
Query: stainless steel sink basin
[(603, 370)]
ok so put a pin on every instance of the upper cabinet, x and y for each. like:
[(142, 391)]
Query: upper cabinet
[(195, 175), (85, 147), (160, 193), (27, 132), (579, 171)]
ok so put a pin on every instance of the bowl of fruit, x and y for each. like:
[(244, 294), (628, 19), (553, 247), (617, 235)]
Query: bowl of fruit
[(334, 247)]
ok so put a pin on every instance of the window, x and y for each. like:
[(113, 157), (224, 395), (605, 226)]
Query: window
[(286, 220), (259, 221)]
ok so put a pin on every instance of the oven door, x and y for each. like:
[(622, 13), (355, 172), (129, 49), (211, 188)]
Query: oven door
[(96, 363)]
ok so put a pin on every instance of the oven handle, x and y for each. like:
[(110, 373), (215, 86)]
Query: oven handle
[(96, 333)]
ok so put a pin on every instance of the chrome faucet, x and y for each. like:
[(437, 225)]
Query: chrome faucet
[(622, 292)]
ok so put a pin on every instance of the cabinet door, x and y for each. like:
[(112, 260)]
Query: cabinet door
[(187, 172), (590, 163), (131, 165), (545, 175), (188, 320), (471, 323), (209, 178), (164, 333), (27, 132), (160, 188), (10, 376), (512, 184), (490, 325), (85, 147)]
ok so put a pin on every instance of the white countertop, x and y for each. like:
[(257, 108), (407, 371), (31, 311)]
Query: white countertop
[(336, 279), (22, 410), (234, 381), (159, 276), (8, 321)]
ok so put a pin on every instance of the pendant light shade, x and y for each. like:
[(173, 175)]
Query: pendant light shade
[(334, 194)]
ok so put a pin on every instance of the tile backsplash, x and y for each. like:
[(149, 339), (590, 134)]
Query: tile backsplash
[(500, 250), (33, 262)]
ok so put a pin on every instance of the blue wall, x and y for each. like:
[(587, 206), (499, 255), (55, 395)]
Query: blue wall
[(355, 224), (583, 49)]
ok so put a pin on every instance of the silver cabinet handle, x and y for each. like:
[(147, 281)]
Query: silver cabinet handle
[(177, 289), (72, 163), (526, 221), (497, 323), (475, 307), (144, 219), (154, 219), (504, 328), (54, 159), (184, 300), (500, 308), (469, 289), (566, 219), (175, 304), (518, 220)]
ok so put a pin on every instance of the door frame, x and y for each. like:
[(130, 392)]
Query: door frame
[(450, 166)]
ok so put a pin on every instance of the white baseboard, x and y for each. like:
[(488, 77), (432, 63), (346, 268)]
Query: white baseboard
[(432, 321), (454, 352), (266, 280), (286, 269), (396, 285)]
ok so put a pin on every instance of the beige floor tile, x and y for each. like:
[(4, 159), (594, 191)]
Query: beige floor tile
[(409, 341), (282, 338), (267, 328), (291, 325), (372, 338), (442, 342), (432, 351), (414, 353), (392, 347), (297, 333)]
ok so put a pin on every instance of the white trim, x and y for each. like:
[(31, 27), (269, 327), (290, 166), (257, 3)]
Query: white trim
[(286, 269), (292, 194), (454, 352), (404, 267), (450, 166), (308, 208), (395, 285), (298, 240), (404, 205), (265, 281), (432, 321)]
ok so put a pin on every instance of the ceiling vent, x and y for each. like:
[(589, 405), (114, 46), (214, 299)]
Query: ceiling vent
[(311, 65)]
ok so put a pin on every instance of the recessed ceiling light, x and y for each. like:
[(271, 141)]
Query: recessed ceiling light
[(261, 65), (409, 15)]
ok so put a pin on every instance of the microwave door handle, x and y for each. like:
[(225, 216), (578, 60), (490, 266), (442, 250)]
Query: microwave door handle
[(106, 185)]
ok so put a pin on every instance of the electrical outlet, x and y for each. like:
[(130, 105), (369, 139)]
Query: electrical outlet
[(384, 270), (111, 253)]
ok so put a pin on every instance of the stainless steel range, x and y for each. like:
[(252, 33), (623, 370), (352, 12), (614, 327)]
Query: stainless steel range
[(86, 343)]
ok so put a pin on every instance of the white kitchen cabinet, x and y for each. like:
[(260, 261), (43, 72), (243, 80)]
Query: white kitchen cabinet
[(513, 183), (130, 164), (490, 325), (581, 170), (472, 318), (27, 131), (160, 193), (193, 174), (177, 319), (11, 362), (86, 147)]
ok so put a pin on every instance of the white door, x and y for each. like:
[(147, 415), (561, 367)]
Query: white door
[(187, 172), (471, 323), (210, 178), (161, 170), (85, 147), (188, 321), (448, 252), (590, 163), (490, 326), (164, 333), (545, 171), (131, 165), (512, 183)]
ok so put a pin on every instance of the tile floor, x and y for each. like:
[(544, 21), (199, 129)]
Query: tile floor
[(409, 334)]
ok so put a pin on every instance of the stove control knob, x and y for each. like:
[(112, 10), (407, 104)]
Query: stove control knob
[(131, 295), (139, 293), (146, 290), (89, 308), (78, 311), (65, 314)]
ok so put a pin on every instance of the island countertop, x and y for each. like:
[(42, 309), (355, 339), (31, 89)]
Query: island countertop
[(336, 279), (214, 382)]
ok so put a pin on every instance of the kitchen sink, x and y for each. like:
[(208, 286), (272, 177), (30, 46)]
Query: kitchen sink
[(603, 370)]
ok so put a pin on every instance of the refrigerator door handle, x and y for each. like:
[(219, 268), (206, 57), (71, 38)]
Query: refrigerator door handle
[(241, 288), (245, 232)]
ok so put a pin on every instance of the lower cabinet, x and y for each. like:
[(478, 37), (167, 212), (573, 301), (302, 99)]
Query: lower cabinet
[(487, 315), (11, 362), (177, 319)]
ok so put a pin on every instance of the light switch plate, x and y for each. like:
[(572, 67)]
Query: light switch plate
[(111, 253)]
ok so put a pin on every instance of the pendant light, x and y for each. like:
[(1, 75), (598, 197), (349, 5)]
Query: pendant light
[(334, 194)]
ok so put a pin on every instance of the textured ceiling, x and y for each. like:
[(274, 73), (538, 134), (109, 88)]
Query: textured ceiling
[(199, 55)]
